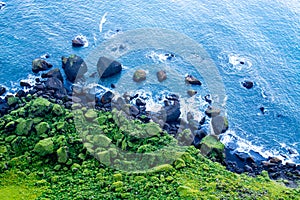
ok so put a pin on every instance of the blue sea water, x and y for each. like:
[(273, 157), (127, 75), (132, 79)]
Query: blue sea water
[(264, 34)]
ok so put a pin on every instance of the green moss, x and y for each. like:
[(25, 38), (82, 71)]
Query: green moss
[(57, 110), (53, 174), (91, 114), (42, 128), (24, 126), (62, 155), (11, 101), (211, 147), (44, 147)]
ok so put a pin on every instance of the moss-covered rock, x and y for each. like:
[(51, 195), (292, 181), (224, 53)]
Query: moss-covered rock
[(40, 107), (91, 114), (57, 110), (62, 155), (24, 126), (11, 101), (42, 128), (101, 141), (44, 147), (211, 147)]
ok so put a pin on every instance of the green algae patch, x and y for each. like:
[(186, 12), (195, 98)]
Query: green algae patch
[(17, 185)]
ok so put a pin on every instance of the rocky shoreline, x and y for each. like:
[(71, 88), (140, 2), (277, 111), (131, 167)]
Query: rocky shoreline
[(52, 86)]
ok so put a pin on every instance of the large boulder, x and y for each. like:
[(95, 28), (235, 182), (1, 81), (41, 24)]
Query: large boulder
[(44, 147), (212, 148), (74, 67), (54, 73), (219, 124), (172, 108), (107, 67), (40, 65), (212, 111), (56, 85)]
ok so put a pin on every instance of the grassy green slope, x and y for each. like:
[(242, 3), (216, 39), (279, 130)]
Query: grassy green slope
[(64, 166)]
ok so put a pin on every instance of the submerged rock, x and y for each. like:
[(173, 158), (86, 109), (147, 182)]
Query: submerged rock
[(192, 80), (107, 67), (191, 92), (139, 75), (161, 75), (74, 67), (40, 65)]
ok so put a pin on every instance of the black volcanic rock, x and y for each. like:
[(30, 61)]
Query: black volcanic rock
[(107, 67), (74, 67)]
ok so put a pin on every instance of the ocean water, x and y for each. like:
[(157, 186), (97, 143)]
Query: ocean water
[(263, 34)]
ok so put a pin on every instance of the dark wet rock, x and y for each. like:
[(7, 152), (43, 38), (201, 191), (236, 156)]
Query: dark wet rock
[(292, 151), (54, 73), (2, 5), (74, 67), (192, 80), (140, 102), (219, 124), (248, 168), (161, 75), (172, 111), (202, 121), (112, 86), (133, 97), (247, 84), (134, 110), (21, 93), (262, 109), (77, 42), (191, 92), (107, 67), (56, 85), (40, 65), (46, 55), (208, 99), (107, 97), (2, 90), (198, 136), (275, 160), (173, 97), (39, 86), (25, 84), (139, 75), (212, 111)]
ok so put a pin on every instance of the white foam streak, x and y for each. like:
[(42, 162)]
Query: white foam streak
[(102, 21)]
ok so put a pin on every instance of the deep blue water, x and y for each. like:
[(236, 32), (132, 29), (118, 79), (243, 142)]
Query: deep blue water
[(264, 34)]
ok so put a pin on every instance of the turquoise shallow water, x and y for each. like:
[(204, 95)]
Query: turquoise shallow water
[(263, 34)]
